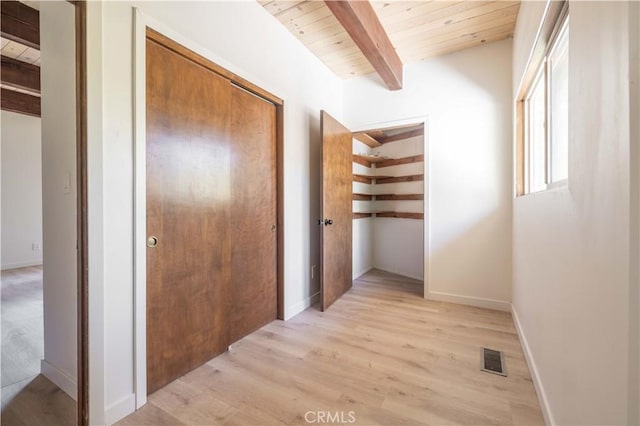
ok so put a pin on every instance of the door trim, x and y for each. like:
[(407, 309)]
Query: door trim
[(424, 120), (185, 47), (82, 402)]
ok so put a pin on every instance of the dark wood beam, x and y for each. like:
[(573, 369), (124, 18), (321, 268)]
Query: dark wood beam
[(20, 23), (20, 102), (401, 136), (19, 74), (362, 24)]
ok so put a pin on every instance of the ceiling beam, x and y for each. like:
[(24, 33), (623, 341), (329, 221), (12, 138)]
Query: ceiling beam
[(401, 136), (20, 23), (20, 74), (362, 24), (20, 102)]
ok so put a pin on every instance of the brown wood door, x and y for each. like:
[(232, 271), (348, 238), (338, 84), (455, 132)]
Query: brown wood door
[(337, 172), (253, 213), (188, 211)]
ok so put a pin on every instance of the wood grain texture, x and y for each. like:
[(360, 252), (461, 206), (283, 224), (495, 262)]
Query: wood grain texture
[(360, 21), (27, 397), (212, 66), (362, 197), (394, 179), (398, 161), (21, 324), (401, 215), (20, 74), (38, 402), (361, 215), (188, 192), (398, 197), (417, 29), (280, 204), (367, 159), (368, 178), (252, 136), (337, 178), (21, 103), (362, 178), (382, 351), (360, 159), (20, 23), (520, 157), (366, 139), (82, 404)]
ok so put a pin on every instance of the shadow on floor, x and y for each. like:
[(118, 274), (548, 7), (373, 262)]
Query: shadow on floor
[(36, 401)]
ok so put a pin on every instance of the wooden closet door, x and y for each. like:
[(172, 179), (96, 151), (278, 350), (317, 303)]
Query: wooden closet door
[(253, 213), (337, 195), (188, 201)]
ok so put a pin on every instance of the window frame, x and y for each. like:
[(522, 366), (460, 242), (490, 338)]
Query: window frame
[(555, 24)]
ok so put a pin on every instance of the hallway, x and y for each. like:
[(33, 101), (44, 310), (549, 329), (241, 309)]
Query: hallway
[(381, 352)]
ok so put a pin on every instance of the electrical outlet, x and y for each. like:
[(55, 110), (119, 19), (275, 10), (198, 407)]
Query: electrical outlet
[(314, 269), (35, 246)]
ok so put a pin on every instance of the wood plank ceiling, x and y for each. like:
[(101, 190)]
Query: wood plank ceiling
[(417, 29)]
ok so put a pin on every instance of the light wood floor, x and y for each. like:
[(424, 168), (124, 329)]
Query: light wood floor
[(22, 326), (381, 352), (27, 397)]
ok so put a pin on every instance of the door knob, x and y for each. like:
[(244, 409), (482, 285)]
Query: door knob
[(328, 222), (152, 241), (273, 228)]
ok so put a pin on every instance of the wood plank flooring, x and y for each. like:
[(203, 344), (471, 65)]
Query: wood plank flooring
[(380, 355), (22, 324), (28, 398)]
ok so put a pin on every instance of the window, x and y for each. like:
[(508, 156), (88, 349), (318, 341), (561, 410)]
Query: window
[(543, 115)]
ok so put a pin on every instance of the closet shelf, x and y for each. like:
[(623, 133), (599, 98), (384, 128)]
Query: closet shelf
[(367, 178), (397, 161), (361, 215), (398, 197), (402, 215), (394, 179), (362, 197), (368, 160)]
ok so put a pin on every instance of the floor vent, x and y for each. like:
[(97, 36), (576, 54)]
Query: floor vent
[(492, 362)]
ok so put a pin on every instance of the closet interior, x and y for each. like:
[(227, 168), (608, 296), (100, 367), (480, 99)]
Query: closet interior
[(388, 200)]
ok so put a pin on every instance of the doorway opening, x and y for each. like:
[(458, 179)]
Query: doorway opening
[(43, 213), (390, 191)]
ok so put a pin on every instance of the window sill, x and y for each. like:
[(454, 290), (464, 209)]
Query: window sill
[(551, 187)]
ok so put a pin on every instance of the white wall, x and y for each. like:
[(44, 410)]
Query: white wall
[(398, 244), (246, 39), (21, 190), (571, 282), (57, 35), (467, 98), (634, 299)]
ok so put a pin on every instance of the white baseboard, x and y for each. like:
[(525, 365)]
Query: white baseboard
[(402, 274), (537, 383), (361, 273), (25, 264), (294, 310), (59, 378), (498, 305), (120, 409)]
